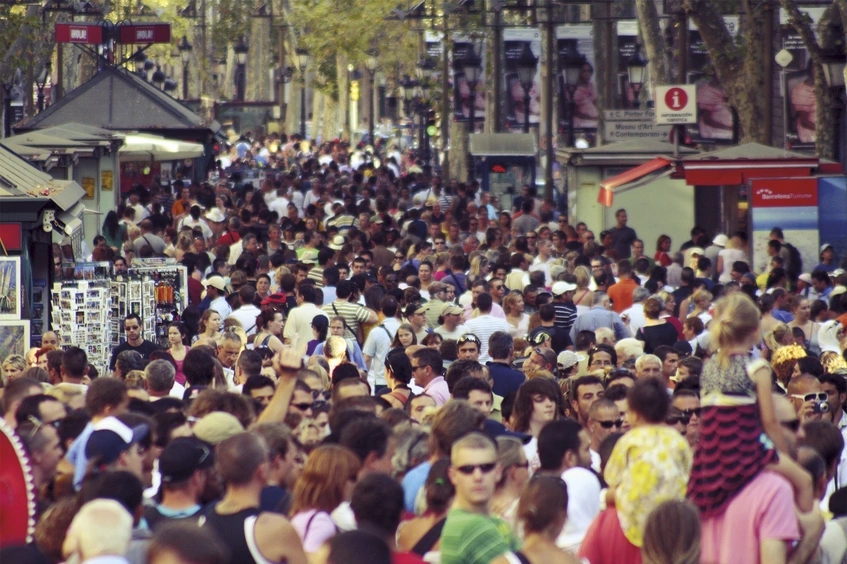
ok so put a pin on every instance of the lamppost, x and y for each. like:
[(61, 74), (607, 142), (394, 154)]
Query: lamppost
[(158, 78), (833, 61), (169, 86), (371, 63), (572, 67), (139, 58), (471, 66), (185, 49), (527, 64), (303, 65), (424, 70), (635, 68), (241, 49), (40, 82)]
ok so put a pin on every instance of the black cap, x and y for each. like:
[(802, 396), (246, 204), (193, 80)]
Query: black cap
[(183, 457)]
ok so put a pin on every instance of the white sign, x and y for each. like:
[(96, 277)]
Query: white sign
[(676, 104), (625, 125)]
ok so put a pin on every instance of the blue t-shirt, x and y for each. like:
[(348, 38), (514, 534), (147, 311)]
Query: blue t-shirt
[(413, 481)]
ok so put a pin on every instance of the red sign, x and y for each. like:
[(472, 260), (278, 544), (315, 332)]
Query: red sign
[(676, 99), (785, 193), (88, 34), (10, 236), (144, 34)]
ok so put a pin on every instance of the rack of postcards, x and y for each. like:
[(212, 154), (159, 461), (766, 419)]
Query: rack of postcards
[(81, 311), (154, 289)]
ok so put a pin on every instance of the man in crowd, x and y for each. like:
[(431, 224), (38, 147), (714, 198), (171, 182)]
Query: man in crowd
[(134, 340)]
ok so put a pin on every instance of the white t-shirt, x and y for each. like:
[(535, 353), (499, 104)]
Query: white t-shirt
[(442, 330)]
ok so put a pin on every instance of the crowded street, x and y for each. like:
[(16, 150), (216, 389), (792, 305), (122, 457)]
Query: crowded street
[(490, 288)]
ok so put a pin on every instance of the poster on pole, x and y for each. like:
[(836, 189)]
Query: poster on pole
[(515, 40), (462, 103), (798, 84), (578, 40), (627, 43), (435, 52), (715, 121)]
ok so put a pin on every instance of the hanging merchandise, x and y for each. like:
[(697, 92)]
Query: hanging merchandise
[(82, 315)]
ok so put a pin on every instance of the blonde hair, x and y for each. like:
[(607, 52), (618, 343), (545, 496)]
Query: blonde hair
[(335, 347), (511, 300), (476, 265), (583, 277), (784, 359), (703, 295), (736, 318), (509, 453), (832, 361), (136, 380), (773, 339)]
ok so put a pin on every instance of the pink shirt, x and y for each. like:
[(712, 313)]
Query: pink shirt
[(437, 389), (763, 510)]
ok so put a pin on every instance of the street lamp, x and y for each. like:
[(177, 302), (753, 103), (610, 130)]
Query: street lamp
[(572, 67), (303, 65), (40, 82), (149, 65), (185, 49), (527, 65), (471, 66), (169, 86), (241, 49), (371, 63), (158, 77), (635, 68)]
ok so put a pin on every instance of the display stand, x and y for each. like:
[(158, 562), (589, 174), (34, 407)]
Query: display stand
[(82, 312)]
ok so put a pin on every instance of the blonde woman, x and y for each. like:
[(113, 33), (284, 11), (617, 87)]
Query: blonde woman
[(515, 468), (702, 300), (14, 366), (335, 350), (583, 297), (183, 245), (513, 307), (479, 269)]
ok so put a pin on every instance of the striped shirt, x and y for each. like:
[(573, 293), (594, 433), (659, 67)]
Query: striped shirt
[(353, 314), (565, 315), (483, 327), (317, 274)]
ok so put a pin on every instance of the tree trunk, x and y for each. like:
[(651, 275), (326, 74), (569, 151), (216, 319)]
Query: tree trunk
[(654, 42), (459, 150), (343, 80)]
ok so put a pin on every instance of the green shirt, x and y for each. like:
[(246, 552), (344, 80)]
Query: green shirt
[(470, 538)]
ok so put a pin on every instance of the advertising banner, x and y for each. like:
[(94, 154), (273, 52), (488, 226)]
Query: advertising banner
[(627, 42), (798, 85), (715, 121), (435, 51), (577, 39), (462, 103), (514, 42)]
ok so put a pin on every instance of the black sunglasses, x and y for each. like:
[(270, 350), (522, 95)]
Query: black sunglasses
[(303, 406), (690, 412), (469, 469), (610, 424), (677, 419)]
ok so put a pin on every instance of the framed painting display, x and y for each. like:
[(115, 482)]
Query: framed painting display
[(10, 288), (14, 337)]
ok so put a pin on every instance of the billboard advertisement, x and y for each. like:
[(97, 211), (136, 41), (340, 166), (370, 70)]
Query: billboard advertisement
[(514, 42), (627, 43), (462, 103), (715, 121), (577, 40)]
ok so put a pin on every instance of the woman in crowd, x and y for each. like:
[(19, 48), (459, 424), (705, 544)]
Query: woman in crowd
[(802, 310), (398, 374), (663, 248), (515, 468), (733, 252), (583, 297), (422, 535), (668, 305), (656, 331), (769, 322), (327, 480), (538, 402), (672, 534), (320, 327), (479, 269), (432, 340), (210, 329), (702, 303), (178, 349), (263, 287), (404, 337), (270, 321), (14, 366), (542, 511), (513, 307), (113, 231)]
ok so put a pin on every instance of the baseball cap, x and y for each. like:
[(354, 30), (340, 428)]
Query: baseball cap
[(412, 309), (111, 437), (376, 219), (683, 348), (540, 337), (217, 427), (182, 457), (560, 288), (452, 309), (216, 282), (566, 359), (720, 240), (749, 276), (826, 246), (805, 277), (837, 291), (320, 321)]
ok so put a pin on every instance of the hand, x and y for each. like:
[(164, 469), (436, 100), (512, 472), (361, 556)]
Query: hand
[(808, 413), (287, 362)]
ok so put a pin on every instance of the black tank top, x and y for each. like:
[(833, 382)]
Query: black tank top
[(230, 530)]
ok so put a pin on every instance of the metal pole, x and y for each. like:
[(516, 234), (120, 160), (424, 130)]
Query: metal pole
[(303, 110), (767, 72), (497, 81), (548, 102), (7, 110), (60, 75), (371, 98), (526, 102), (445, 99), (571, 112), (471, 126), (185, 81), (281, 87), (239, 82)]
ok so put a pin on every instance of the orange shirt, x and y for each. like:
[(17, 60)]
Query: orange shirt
[(621, 294)]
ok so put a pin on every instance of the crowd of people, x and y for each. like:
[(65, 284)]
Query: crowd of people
[(378, 366)]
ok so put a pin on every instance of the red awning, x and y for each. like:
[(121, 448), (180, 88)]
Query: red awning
[(607, 187)]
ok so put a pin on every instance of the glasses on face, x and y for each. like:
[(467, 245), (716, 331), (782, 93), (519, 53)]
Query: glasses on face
[(532, 236), (609, 424), (677, 419), (317, 393), (524, 464), (813, 396), (469, 337), (693, 411), (498, 288), (303, 406), (469, 469), (37, 426)]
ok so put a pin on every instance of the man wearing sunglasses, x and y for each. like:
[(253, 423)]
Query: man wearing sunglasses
[(808, 397), (470, 533), (688, 402), (604, 418)]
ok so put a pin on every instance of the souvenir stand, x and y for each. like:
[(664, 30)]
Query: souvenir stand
[(154, 289), (82, 311)]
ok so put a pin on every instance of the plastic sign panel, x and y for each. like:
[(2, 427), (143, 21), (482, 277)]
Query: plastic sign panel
[(82, 33), (676, 104), (127, 34), (144, 33)]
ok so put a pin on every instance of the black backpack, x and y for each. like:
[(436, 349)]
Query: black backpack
[(795, 266)]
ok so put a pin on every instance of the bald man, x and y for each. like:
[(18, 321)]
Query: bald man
[(802, 392), (50, 338)]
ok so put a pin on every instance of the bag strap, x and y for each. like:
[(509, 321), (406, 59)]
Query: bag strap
[(344, 321), (458, 285), (429, 539), (387, 332)]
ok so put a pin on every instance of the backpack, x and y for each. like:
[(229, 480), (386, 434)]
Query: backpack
[(795, 261)]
